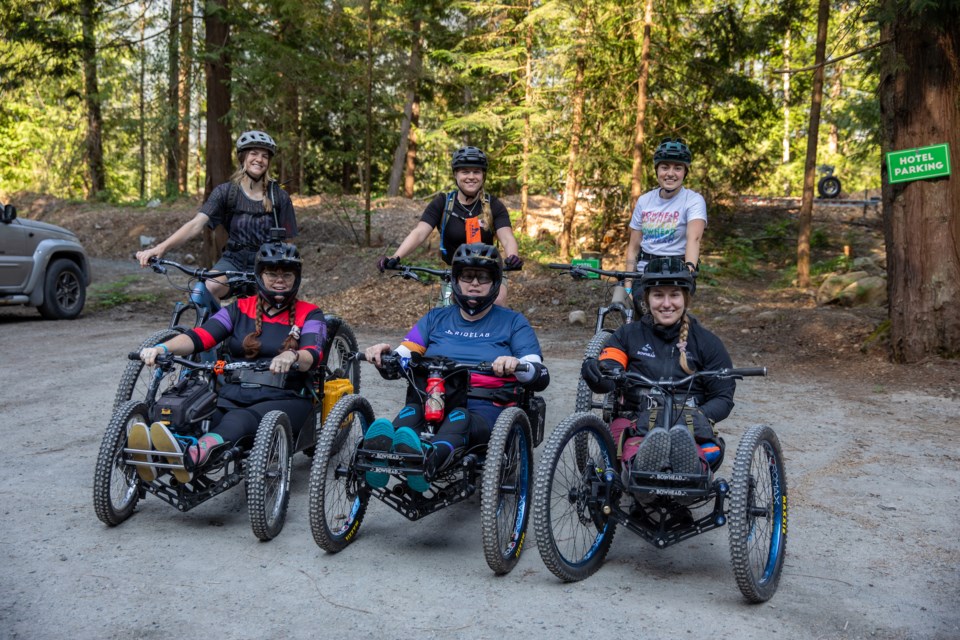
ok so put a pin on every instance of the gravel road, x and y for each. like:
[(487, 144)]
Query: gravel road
[(874, 479)]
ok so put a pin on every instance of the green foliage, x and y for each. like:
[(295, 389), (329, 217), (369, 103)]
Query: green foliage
[(107, 295)]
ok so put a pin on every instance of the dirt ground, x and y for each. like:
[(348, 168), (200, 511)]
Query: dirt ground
[(871, 448)]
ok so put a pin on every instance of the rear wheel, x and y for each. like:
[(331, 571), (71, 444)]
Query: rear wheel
[(573, 534), (587, 400), (64, 291), (758, 514), (116, 485), (505, 490), (829, 187), (267, 475), (337, 501), (615, 317), (337, 362), (136, 379)]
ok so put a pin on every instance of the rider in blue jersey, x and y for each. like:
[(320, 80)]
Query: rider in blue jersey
[(473, 330)]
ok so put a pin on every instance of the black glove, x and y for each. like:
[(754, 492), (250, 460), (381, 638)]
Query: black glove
[(513, 263), (387, 263), (389, 368), (590, 372)]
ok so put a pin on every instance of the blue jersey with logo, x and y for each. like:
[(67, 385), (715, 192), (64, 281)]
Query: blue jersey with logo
[(501, 332)]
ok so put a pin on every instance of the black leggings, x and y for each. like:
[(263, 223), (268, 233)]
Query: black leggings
[(234, 424)]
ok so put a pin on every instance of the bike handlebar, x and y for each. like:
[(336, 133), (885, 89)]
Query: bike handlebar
[(409, 271), (446, 364), (159, 265), (166, 360), (580, 271), (639, 378)]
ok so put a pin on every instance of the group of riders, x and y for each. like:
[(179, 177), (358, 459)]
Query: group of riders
[(277, 325)]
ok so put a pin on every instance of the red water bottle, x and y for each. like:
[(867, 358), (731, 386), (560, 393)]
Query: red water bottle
[(433, 409)]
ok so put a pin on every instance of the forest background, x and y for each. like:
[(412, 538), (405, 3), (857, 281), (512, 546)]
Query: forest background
[(129, 101)]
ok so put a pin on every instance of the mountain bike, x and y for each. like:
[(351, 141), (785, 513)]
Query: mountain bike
[(579, 485)]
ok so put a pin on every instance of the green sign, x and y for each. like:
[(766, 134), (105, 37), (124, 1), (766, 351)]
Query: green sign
[(588, 262), (918, 164)]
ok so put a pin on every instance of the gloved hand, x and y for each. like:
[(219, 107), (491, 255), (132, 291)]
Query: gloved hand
[(591, 373), (387, 263), (513, 263)]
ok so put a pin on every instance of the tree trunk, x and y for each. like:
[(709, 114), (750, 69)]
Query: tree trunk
[(91, 95), (786, 105), (186, 93), (527, 126), (919, 89), (411, 159), (141, 129), (810, 167), (290, 160), (219, 142), (836, 89), (569, 209), (172, 109), (636, 181), (368, 138), (413, 81)]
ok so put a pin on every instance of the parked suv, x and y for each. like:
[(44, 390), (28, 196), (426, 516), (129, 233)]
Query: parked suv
[(42, 265)]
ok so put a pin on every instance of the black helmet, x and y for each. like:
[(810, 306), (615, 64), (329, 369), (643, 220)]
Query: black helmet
[(256, 139), (469, 157), (672, 150), (476, 256), (663, 272), (284, 256)]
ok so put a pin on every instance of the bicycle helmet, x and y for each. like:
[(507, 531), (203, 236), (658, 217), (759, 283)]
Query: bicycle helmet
[(469, 157), (280, 255), (476, 256), (663, 272), (256, 139), (672, 150)]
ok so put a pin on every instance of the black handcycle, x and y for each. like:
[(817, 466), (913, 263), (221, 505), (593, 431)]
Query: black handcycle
[(146, 384), (610, 317), (263, 464), (579, 487), (502, 469)]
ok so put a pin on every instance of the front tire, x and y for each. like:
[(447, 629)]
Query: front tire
[(338, 499), (337, 363), (573, 534), (268, 475), (758, 514), (136, 378), (505, 490), (598, 403), (116, 485), (829, 187), (64, 291)]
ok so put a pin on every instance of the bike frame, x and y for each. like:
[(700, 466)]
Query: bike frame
[(580, 272)]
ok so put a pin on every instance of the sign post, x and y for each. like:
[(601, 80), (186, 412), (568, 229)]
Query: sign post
[(918, 164)]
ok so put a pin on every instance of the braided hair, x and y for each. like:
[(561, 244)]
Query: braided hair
[(251, 342)]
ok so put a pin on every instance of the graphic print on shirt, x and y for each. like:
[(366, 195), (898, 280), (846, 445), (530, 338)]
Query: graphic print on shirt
[(659, 226), (647, 351)]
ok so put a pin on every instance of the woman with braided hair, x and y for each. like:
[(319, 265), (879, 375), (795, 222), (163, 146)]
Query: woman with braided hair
[(666, 343), (273, 326), (247, 206)]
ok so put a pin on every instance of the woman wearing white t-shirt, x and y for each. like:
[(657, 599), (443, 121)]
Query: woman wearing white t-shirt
[(667, 221)]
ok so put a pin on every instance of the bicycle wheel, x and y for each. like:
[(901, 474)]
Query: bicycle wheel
[(116, 485), (268, 475), (337, 502), (615, 317), (504, 492), (337, 364), (573, 533), (136, 378), (758, 514), (587, 400)]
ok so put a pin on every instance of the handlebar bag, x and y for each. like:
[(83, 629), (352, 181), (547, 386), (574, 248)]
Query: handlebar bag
[(187, 402)]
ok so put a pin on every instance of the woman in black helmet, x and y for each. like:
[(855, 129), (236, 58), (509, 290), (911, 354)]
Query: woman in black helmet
[(666, 343), (247, 206), (465, 215), (473, 330), (273, 326), (667, 221)]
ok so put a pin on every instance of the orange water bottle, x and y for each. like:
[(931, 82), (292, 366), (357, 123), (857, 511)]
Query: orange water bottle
[(433, 409)]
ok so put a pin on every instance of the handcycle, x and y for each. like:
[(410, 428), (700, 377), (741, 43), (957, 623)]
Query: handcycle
[(339, 492), (579, 486), (143, 383), (610, 317), (264, 464)]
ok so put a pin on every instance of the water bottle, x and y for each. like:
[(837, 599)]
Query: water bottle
[(433, 409)]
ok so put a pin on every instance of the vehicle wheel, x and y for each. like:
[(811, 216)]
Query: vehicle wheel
[(337, 364), (587, 400), (116, 485), (505, 490), (337, 503), (615, 317), (758, 514), (267, 475), (829, 187), (64, 291), (573, 535), (136, 379)]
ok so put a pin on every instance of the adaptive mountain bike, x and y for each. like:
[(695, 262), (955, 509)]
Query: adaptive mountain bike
[(579, 486)]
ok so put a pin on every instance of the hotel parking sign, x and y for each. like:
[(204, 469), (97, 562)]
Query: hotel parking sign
[(918, 164)]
